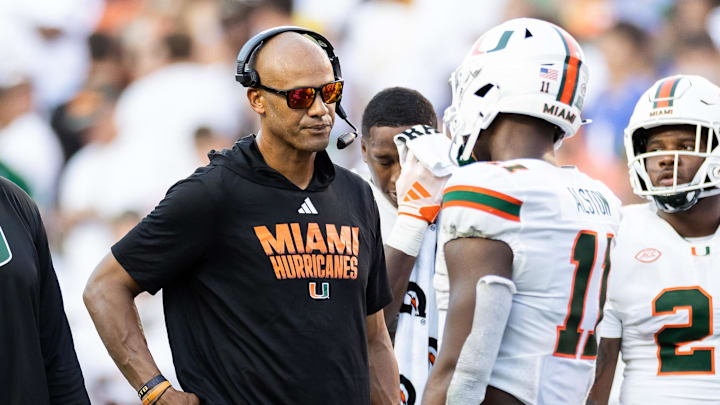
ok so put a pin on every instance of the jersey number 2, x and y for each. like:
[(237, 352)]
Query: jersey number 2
[(697, 360), (584, 253)]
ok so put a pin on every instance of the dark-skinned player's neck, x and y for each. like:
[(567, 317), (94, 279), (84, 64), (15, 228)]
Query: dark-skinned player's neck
[(702, 219), (296, 165), (520, 137)]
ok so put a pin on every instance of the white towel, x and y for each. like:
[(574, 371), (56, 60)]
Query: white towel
[(429, 146)]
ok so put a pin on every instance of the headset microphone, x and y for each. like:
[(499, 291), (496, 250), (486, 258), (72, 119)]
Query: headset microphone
[(347, 138)]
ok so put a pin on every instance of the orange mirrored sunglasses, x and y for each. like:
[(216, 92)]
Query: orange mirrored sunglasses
[(303, 97)]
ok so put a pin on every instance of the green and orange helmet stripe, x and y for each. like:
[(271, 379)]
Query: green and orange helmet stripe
[(571, 70), (665, 92)]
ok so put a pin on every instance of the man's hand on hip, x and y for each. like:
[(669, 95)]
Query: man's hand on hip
[(173, 397)]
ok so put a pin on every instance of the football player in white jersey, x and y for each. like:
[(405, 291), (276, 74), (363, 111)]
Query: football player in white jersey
[(525, 240), (664, 290), (391, 112)]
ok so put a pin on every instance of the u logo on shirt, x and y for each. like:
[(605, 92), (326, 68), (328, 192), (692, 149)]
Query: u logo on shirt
[(312, 288), (5, 253)]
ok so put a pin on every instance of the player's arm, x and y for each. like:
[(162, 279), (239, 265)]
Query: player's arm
[(468, 261), (604, 371), (419, 196), (399, 266), (384, 376), (110, 298)]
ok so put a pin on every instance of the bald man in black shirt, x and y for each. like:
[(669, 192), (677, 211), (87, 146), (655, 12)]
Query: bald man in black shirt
[(271, 264)]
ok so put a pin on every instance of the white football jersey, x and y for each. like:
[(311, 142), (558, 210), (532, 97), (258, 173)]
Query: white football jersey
[(416, 337), (660, 302), (558, 223)]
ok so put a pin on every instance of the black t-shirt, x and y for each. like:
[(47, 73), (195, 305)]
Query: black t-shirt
[(38, 364), (266, 286)]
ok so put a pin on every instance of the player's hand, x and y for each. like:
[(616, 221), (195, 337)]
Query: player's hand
[(174, 397), (419, 191)]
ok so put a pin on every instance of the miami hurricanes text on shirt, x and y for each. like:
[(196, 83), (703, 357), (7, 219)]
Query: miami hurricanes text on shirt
[(317, 255)]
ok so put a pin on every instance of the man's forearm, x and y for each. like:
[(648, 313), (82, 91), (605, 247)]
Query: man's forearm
[(384, 375), (116, 319)]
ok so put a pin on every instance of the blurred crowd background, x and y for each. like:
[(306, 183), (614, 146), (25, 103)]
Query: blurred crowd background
[(106, 103)]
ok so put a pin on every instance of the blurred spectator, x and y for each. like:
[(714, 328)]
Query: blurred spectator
[(690, 16), (106, 77), (30, 154), (157, 116), (53, 35), (585, 18), (685, 19), (418, 46), (205, 141), (117, 15), (696, 54), (649, 14), (629, 73), (88, 186), (269, 13), (234, 22)]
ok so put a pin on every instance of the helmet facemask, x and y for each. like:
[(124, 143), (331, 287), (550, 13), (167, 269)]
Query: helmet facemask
[(678, 197), (465, 132)]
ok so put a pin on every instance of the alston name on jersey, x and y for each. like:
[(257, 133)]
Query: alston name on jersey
[(590, 201)]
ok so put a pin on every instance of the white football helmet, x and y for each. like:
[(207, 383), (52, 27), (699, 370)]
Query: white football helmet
[(523, 66), (676, 100)]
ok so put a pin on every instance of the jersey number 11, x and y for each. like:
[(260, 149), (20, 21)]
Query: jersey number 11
[(584, 254)]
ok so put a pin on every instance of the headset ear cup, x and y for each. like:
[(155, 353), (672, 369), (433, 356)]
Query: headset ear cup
[(248, 79)]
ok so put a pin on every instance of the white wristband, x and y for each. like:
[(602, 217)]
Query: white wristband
[(407, 234)]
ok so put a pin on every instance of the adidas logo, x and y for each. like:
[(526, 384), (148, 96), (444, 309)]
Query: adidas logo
[(416, 192), (307, 207)]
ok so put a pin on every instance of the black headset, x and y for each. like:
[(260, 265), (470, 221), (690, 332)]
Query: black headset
[(249, 77)]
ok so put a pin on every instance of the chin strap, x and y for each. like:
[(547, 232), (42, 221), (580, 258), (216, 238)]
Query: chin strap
[(677, 202)]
